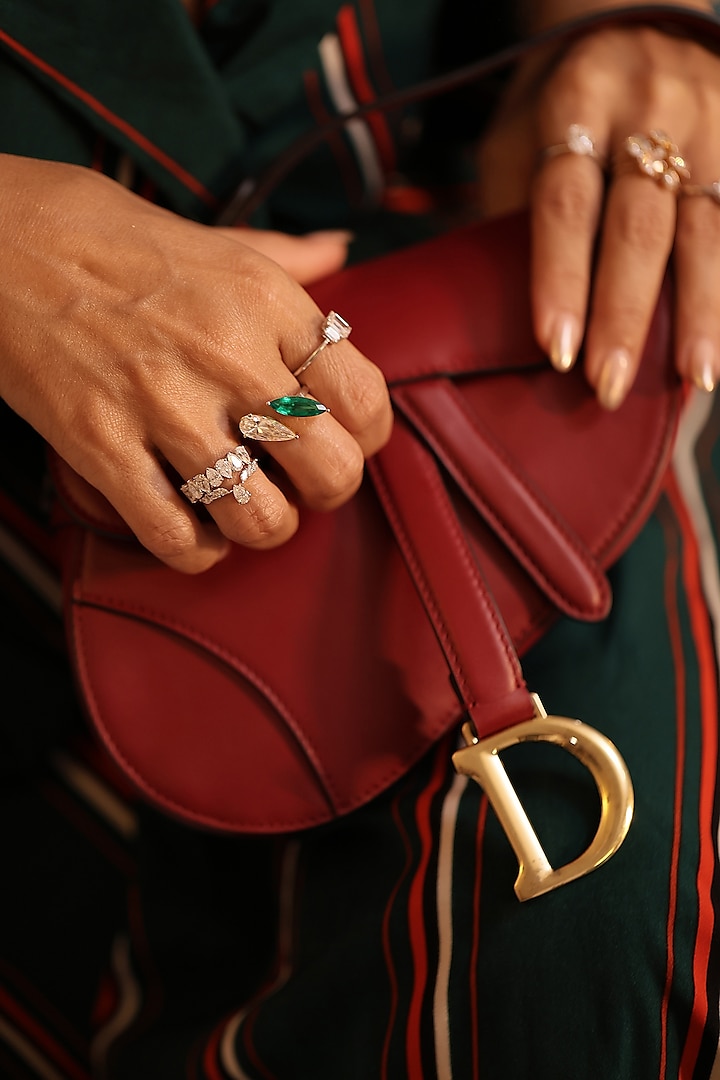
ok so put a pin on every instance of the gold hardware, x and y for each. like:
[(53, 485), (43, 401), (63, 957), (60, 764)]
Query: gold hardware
[(481, 762)]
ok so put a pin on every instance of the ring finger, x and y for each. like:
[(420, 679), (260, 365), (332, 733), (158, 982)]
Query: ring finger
[(637, 238)]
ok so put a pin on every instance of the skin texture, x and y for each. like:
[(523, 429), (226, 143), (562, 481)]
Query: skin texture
[(133, 340)]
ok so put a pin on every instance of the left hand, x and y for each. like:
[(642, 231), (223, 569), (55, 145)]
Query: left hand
[(600, 253)]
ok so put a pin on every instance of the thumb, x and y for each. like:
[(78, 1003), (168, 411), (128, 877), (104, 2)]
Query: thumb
[(306, 258)]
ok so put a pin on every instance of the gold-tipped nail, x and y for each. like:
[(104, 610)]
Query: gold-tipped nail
[(703, 364), (614, 379), (564, 342)]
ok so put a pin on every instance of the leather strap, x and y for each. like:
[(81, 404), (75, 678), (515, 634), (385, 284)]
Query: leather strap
[(453, 590)]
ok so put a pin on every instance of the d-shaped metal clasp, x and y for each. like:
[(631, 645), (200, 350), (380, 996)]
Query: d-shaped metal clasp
[(480, 760)]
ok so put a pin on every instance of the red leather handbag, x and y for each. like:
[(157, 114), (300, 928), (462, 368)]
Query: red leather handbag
[(284, 688)]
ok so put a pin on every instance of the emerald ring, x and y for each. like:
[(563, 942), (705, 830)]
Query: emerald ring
[(334, 329), (266, 429)]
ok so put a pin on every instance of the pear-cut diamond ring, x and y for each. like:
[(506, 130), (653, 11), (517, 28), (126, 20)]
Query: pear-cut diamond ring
[(334, 328)]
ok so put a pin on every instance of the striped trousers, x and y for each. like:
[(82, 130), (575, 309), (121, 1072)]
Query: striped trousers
[(389, 945)]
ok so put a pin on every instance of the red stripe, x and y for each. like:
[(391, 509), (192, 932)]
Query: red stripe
[(475, 947), (374, 40), (115, 121), (700, 627), (416, 918), (44, 1009), (209, 1060), (41, 1038), (387, 950), (673, 622), (352, 48)]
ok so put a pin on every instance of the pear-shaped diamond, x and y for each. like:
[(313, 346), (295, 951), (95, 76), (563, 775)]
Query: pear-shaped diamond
[(265, 429)]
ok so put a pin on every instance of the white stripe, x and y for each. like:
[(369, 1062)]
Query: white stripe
[(443, 892), (333, 65), (99, 795), (694, 419), (31, 570), (29, 1053), (128, 1005), (286, 920)]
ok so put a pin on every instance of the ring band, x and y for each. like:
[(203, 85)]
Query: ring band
[(712, 191), (334, 329), (578, 141), (657, 156), (209, 486)]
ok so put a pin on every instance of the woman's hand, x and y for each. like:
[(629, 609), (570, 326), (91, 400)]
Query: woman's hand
[(133, 341), (600, 250)]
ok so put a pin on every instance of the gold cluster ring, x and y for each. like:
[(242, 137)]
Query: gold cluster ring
[(655, 155)]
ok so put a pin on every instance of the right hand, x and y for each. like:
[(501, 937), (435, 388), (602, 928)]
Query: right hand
[(133, 341)]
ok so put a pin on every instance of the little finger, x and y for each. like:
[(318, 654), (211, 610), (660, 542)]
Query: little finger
[(697, 265)]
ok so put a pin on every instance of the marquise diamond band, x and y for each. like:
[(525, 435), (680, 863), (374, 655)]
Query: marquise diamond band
[(237, 466)]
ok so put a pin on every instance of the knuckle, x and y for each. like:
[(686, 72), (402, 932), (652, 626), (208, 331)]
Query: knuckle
[(699, 227), (644, 225), (171, 542), (569, 204), (340, 479), (260, 522), (367, 397)]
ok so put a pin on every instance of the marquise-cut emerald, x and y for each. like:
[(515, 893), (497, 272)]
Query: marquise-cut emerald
[(297, 406)]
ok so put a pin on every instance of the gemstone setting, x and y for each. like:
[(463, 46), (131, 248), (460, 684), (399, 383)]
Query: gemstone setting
[(298, 405)]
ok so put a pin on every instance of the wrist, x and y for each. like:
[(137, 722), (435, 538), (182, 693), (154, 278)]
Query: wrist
[(537, 15)]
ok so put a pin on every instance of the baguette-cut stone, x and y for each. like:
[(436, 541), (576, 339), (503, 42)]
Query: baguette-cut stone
[(335, 328), (297, 406), (265, 429)]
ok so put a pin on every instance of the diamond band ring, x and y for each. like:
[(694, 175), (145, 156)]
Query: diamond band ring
[(578, 141), (334, 329), (656, 156), (209, 486)]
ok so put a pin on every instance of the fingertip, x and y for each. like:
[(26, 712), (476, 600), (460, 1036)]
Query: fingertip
[(614, 379), (563, 341)]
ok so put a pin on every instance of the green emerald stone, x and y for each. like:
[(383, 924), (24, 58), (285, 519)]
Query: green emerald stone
[(297, 406)]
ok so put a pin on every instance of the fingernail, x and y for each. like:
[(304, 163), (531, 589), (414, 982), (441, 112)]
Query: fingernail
[(614, 376), (338, 236), (564, 342), (702, 364)]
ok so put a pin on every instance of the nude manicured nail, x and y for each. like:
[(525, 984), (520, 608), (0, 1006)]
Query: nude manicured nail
[(341, 236), (702, 365), (614, 379), (564, 342)]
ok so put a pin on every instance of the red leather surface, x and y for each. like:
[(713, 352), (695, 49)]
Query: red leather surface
[(285, 687)]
